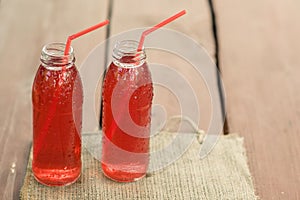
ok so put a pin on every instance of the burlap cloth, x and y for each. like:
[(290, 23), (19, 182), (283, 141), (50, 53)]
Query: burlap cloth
[(223, 174)]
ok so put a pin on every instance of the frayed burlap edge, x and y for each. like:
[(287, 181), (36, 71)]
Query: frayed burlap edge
[(223, 174)]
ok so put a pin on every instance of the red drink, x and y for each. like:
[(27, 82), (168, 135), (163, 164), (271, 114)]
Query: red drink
[(57, 117), (127, 97)]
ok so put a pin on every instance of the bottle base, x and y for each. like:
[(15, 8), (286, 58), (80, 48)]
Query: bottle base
[(122, 176), (55, 178)]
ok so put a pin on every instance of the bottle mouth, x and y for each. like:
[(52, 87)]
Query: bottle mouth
[(53, 55), (126, 54)]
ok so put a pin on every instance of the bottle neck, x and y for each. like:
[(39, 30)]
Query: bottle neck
[(126, 55), (53, 58)]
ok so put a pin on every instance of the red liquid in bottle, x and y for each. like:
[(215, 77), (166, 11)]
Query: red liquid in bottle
[(125, 151), (57, 138)]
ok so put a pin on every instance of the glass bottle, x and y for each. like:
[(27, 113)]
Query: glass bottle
[(127, 98), (57, 99)]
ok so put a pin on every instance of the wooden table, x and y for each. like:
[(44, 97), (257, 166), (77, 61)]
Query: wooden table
[(258, 55)]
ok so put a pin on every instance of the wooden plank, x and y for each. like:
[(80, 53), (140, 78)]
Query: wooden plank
[(24, 28), (260, 63), (133, 14)]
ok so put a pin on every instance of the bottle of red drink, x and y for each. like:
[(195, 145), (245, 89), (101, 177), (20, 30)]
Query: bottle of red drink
[(57, 99), (127, 97)]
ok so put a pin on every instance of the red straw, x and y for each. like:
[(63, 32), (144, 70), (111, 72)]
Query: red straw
[(53, 106), (157, 26), (76, 35)]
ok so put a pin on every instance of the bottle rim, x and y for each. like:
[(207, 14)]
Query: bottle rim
[(128, 48), (52, 56)]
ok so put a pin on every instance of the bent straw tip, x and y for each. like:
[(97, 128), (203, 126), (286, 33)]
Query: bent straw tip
[(161, 24), (83, 32)]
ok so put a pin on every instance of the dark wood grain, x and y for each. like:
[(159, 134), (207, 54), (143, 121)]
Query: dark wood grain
[(259, 54)]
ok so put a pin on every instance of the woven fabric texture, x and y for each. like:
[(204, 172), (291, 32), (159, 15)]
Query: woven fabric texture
[(223, 174)]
